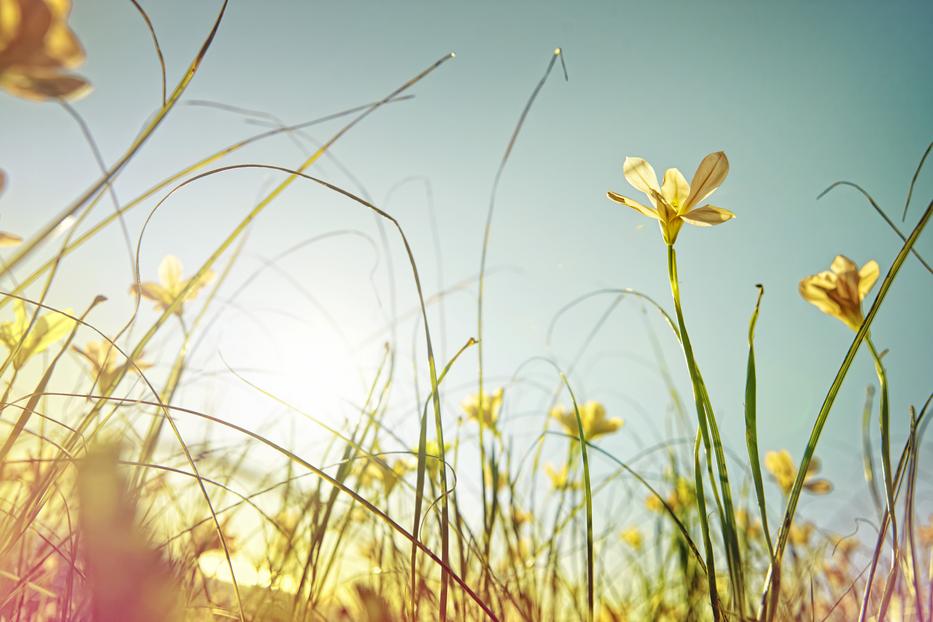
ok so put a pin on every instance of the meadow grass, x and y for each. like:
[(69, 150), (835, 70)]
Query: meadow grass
[(112, 511)]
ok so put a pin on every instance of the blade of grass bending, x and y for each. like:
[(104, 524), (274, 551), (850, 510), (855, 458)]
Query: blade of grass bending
[(26, 249), (751, 423), (881, 213), (155, 44), (884, 421), (823, 415), (868, 462), (913, 181), (588, 497), (487, 231), (419, 486)]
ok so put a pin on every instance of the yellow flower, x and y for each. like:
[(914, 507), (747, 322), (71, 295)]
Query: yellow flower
[(485, 407), (752, 528), (653, 503), (389, 476), (559, 479), (46, 330), (36, 47), (782, 469), (800, 534), (170, 285), (674, 202), (840, 290), (632, 536), (593, 415), (106, 363), (520, 517)]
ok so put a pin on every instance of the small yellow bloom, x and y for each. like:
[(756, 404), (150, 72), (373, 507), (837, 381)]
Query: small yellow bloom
[(46, 330), (674, 201), (106, 363), (632, 536), (559, 479), (653, 503), (593, 416), (520, 517), (800, 534), (752, 528), (782, 469), (170, 285), (388, 475), (840, 290), (36, 47), (484, 407)]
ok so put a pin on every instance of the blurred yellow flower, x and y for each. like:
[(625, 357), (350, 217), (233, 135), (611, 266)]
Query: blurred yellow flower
[(170, 285), (484, 407), (388, 476), (593, 416), (840, 290), (674, 202), (106, 363), (800, 534), (559, 479), (632, 536), (752, 528), (46, 330), (784, 471), (654, 503), (36, 47)]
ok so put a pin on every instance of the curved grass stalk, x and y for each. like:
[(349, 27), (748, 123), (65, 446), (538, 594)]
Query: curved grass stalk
[(765, 609), (751, 424), (487, 231)]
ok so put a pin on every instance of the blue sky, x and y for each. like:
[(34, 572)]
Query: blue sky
[(798, 94)]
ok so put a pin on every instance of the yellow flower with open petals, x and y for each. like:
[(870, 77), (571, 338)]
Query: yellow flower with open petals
[(107, 364), (388, 475), (170, 285), (674, 202), (46, 330), (593, 415), (839, 291), (784, 471), (485, 407), (36, 47), (559, 479)]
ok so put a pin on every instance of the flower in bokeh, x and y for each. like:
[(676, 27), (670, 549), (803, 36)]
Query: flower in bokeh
[(800, 534), (36, 49), (107, 364), (752, 528), (170, 285), (388, 475), (484, 407), (782, 468), (673, 203), (840, 290), (559, 479), (632, 537), (46, 330), (593, 416)]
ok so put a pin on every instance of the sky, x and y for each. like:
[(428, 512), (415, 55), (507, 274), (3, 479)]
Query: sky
[(798, 94)]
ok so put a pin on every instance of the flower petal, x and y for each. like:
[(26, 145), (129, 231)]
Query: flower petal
[(635, 205), (842, 264), (815, 290), (867, 276), (707, 216), (9, 239), (170, 274), (675, 188), (709, 175), (640, 174)]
